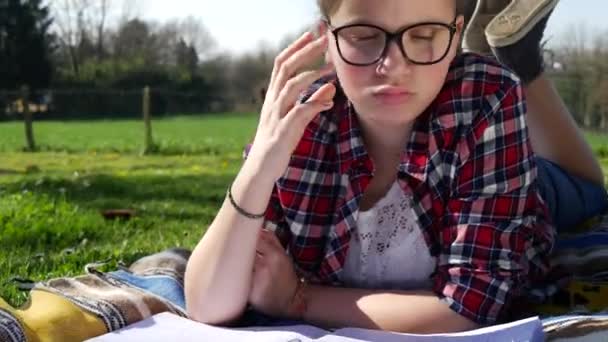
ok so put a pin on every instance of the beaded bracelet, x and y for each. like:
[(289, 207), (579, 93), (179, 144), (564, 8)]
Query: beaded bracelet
[(241, 210)]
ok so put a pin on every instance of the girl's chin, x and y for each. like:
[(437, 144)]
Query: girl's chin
[(391, 114), (391, 119)]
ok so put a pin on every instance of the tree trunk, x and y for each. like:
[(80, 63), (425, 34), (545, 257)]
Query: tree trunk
[(74, 60)]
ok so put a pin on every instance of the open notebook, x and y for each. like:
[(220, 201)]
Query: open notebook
[(169, 327)]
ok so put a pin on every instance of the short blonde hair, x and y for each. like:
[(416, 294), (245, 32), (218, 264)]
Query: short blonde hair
[(328, 7)]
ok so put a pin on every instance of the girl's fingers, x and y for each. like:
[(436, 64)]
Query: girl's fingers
[(301, 115), (273, 240), (324, 94), (264, 247), (267, 246), (305, 56), (259, 258), (297, 85), (306, 38)]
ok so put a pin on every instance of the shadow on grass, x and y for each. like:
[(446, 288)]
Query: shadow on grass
[(52, 214), (106, 191), (161, 150), (9, 172)]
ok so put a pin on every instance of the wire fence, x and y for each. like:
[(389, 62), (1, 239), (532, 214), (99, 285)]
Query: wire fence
[(82, 104)]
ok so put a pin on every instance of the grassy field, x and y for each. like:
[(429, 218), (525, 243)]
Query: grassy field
[(213, 134), (50, 201)]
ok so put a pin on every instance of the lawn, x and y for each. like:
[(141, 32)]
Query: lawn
[(50, 201)]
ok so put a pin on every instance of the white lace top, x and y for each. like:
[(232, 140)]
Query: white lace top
[(387, 249)]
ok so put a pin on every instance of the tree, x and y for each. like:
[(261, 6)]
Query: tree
[(100, 25), (70, 20), (184, 40), (84, 23), (186, 57), (134, 41), (25, 44), (194, 33), (584, 54), (249, 74)]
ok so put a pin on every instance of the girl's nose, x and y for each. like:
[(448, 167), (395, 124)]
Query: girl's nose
[(394, 60)]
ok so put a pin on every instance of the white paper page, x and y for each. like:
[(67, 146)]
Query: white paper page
[(168, 327), (528, 330)]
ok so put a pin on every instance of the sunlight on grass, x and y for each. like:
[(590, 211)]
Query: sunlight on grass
[(58, 208)]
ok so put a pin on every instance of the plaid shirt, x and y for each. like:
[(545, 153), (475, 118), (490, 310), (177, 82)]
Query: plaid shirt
[(470, 170)]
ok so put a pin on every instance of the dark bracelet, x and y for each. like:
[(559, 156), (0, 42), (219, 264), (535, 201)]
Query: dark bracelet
[(241, 210)]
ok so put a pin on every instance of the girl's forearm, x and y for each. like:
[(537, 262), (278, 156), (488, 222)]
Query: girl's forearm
[(401, 311), (219, 271)]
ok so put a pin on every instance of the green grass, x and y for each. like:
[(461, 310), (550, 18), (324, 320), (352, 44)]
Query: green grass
[(599, 142), (210, 134), (50, 201)]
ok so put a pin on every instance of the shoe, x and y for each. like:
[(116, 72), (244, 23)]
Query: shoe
[(474, 39), (515, 36), (517, 20)]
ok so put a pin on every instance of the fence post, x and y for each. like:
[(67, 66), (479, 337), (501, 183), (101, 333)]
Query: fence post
[(27, 119), (148, 142)]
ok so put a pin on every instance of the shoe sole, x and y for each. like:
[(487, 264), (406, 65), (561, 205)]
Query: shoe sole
[(474, 38), (511, 25)]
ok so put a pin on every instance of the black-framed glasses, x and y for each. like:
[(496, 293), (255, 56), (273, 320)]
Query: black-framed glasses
[(423, 43)]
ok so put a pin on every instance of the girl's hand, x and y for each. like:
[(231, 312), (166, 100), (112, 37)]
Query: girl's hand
[(274, 279), (282, 121)]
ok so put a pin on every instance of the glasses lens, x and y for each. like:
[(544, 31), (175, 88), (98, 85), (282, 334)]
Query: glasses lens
[(361, 44), (426, 43)]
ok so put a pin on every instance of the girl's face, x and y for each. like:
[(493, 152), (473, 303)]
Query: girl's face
[(393, 90)]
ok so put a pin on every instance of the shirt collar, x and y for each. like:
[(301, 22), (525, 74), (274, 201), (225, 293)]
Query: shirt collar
[(352, 153)]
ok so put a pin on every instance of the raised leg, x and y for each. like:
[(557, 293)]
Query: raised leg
[(555, 135), (515, 36)]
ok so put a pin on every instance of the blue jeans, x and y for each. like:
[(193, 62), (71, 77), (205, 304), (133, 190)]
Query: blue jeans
[(571, 200)]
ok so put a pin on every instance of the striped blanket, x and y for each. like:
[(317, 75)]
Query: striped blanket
[(573, 307)]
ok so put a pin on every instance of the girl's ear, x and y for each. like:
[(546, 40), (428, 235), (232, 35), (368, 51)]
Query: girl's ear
[(328, 58), (460, 28), (329, 55), (323, 29), (460, 25)]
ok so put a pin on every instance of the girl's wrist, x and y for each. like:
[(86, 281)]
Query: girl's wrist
[(256, 169), (251, 189), (299, 301), (264, 169)]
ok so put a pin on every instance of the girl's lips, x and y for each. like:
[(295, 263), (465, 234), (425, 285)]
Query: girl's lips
[(393, 97)]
